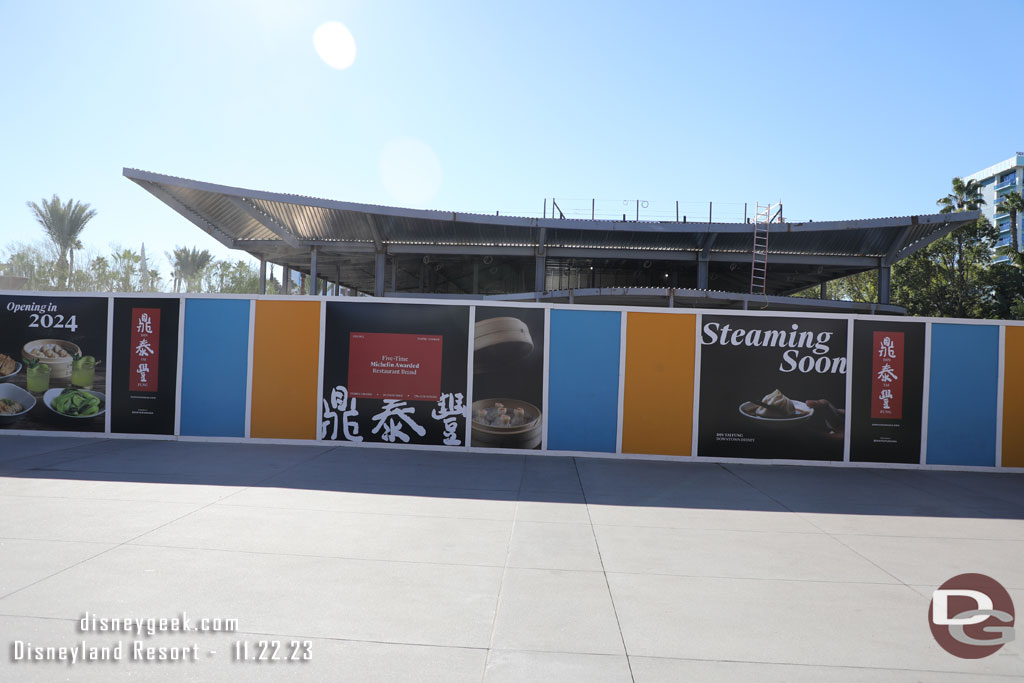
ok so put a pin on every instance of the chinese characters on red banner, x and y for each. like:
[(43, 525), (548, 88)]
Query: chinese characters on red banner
[(887, 381), (145, 349)]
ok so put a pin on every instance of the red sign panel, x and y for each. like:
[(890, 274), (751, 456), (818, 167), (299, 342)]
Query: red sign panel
[(145, 351), (397, 366), (887, 381)]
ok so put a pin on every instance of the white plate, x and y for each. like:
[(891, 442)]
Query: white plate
[(54, 393), (799, 405), (16, 393), (17, 369)]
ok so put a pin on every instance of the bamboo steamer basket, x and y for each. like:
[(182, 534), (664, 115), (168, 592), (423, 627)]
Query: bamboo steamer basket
[(499, 342), (60, 368), (527, 436)]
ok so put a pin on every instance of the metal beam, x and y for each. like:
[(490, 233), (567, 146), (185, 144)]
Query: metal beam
[(457, 250), (638, 254), (938, 234), (266, 220), (800, 259), (378, 243), (192, 216), (897, 244), (696, 296)]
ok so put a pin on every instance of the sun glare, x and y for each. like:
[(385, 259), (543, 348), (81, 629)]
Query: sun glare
[(335, 44)]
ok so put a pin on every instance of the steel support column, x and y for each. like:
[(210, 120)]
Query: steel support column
[(379, 266), (314, 284), (884, 284), (286, 280), (263, 276)]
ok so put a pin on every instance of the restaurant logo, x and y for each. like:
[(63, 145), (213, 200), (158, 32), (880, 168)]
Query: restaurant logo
[(887, 377), (145, 349), (971, 616)]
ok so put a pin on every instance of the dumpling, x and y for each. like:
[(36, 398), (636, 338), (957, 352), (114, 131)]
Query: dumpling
[(777, 402)]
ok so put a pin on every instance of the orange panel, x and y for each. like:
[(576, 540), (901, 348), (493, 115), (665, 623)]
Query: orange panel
[(657, 416), (1013, 398), (285, 369)]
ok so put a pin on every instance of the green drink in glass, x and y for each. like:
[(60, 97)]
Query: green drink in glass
[(37, 377), (83, 372)]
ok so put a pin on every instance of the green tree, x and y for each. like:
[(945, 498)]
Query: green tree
[(1006, 283), (36, 263), (102, 275), (949, 276), (966, 196), (1013, 204), (125, 266), (63, 223)]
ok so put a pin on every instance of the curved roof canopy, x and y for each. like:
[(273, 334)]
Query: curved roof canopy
[(349, 238)]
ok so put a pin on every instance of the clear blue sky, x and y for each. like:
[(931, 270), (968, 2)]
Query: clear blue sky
[(841, 110)]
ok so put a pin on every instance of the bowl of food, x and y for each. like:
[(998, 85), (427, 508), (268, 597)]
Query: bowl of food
[(57, 353), (8, 367), (14, 402), (78, 404), (506, 423)]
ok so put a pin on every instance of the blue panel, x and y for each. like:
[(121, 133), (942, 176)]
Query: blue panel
[(583, 380), (962, 395), (215, 367)]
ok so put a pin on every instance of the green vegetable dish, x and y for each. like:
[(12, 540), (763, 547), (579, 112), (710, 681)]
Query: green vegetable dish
[(76, 403)]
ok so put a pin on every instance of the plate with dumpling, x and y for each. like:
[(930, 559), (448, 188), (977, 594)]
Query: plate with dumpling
[(8, 367), (14, 403), (776, 408)]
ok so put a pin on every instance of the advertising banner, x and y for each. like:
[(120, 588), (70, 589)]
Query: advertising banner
[(144, 369), (508, 377), (53, 363), (772, 387), (888, 391), (395, 373)]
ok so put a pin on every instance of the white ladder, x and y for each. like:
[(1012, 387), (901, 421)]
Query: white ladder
[(759, 253)]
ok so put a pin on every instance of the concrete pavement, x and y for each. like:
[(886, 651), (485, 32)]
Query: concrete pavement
[(421, 566)]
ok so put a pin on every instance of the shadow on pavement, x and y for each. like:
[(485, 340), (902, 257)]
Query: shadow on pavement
[(522, 477)]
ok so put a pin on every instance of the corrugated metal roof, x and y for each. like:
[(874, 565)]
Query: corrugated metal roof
[(283, 228)]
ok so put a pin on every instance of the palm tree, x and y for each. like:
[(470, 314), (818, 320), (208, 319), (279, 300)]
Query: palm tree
[(1013, 204), (126, 265), (189, 266), (966, 196), (63, 223)]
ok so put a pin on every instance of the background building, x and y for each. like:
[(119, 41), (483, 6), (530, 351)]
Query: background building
[(996, 182)]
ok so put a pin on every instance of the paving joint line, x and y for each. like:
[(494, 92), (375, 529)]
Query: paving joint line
[(504, 570), (824, 531), (115, 547), (604, 572)]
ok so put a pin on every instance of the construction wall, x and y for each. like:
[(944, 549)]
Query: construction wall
[(556, 379)]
